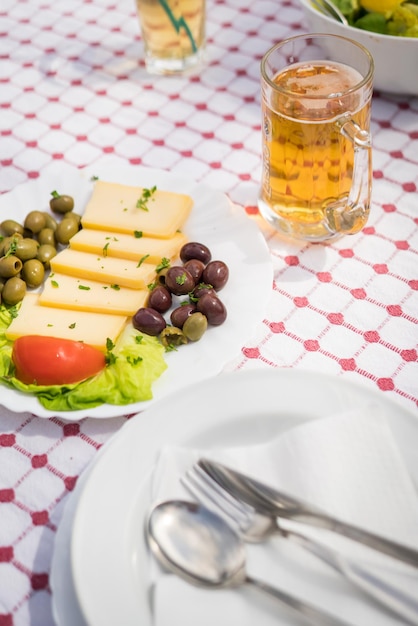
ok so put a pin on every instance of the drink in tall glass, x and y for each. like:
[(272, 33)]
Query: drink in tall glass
[(316, 177), (173, 33)]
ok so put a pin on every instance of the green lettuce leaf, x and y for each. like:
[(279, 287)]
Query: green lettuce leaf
[(6, 316), (347, 7), (139, 362), (373, 22)]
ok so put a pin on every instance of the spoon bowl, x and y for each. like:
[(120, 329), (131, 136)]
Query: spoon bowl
[(200, 547), (196, 544)]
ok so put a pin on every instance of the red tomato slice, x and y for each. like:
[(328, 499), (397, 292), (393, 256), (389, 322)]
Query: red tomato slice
[(51, 361)]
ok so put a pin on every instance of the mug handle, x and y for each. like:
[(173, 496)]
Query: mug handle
[(350, 215)]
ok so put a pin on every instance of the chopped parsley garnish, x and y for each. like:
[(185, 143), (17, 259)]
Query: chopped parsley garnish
[(180, 280), (115, 287), (147, 194), (105, 247), (141, 261), (162, 265), (84, 287), (110, 356), (73, 325), (12, 247), (134, 360), (138, 234), (54, 283), (13, 310)]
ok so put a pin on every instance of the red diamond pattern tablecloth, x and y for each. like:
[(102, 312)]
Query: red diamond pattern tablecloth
[(73, 89)]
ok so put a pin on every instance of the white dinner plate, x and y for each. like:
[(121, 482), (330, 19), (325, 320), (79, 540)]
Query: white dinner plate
[(110, 560), (229, 233)]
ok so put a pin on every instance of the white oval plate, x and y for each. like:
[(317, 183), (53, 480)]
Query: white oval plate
[(110, 560), (230, 234)]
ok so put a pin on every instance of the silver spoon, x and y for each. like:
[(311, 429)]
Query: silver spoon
[(202, 548), (328, 8)]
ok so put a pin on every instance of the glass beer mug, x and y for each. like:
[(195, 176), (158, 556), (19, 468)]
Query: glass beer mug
[(316, 93)]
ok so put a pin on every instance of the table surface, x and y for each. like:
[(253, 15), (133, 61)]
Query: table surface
[(74, 90)]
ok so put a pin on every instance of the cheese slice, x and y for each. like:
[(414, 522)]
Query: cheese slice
[(121, 272), (126, 246), (123, 209), (69, 292), (91, 328)]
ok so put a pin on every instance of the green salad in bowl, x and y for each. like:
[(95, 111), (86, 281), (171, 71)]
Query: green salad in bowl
[(387, 17), (387, 28)]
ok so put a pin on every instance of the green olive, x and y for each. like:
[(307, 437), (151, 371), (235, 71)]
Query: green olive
[(47, 236), (26, 249), (61, 204), (172, 336), (33, 273), (35, 221), (50, 221), (9, 227), (10, 266), (195, 326), (73, 216), (65, 230), (14, 291), (161, 275), (45, 253)]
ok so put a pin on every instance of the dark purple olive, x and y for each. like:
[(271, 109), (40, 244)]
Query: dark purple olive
[(148, 321), (213, 309), (179, 280), (195, 250), (202, 288), (160, 299), (181, 313), (216, 273), (195, 267)]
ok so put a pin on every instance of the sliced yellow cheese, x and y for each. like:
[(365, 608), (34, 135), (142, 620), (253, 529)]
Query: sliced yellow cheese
[(69, 292), (126, 246), (125, 209), (91, 328), (121, 272)]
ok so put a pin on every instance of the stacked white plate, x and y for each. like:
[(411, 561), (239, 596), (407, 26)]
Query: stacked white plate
[(101, 565)]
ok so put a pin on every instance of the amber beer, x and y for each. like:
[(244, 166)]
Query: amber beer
[(173, 33), (316, 174)]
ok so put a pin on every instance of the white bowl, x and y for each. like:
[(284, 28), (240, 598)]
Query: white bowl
[(395, 58)]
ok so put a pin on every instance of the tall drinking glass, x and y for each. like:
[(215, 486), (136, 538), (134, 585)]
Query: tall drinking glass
[(316, 95), (173, 33)]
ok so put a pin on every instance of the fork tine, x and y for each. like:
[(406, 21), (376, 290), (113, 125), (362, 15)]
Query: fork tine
[(213, 496)]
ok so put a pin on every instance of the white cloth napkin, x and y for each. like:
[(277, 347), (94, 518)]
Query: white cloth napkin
[(347, 464)]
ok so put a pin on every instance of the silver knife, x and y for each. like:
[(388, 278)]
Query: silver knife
[(270, 501)]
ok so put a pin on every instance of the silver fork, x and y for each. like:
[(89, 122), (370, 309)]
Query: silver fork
[(257, 527)]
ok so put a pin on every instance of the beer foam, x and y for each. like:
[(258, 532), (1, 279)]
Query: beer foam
[(318, 79)]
